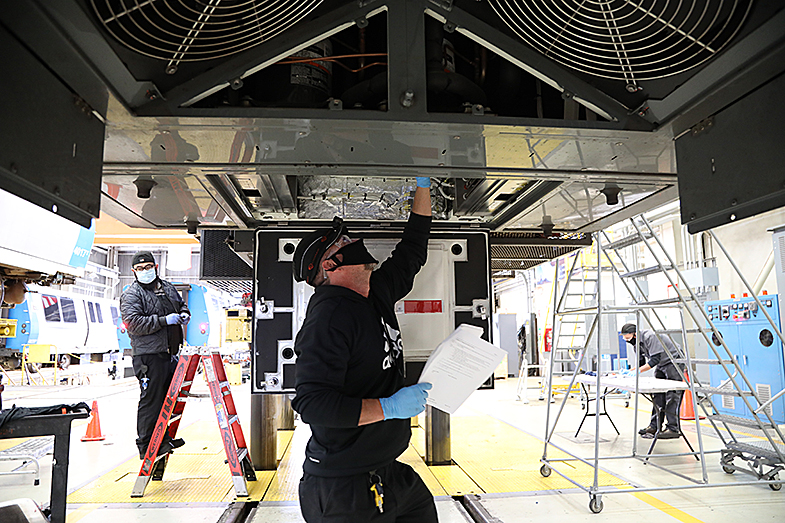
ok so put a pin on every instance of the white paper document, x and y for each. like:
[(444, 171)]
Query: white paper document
[(460, 364)]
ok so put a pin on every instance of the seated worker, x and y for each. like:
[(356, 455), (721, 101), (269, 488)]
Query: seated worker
[(666, 404)]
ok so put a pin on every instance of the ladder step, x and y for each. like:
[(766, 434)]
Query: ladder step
[(722, 392), (627, 241), (242, 453), (186, 383), (742, 422), (175, 417), (699, 361), (233, 419), (678, 331), (758, 448), (662, 302), (647, 271)]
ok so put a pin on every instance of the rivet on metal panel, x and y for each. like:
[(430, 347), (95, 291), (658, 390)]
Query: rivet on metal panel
[(361, 22), (407, 98), (336, 105), (236, 83)]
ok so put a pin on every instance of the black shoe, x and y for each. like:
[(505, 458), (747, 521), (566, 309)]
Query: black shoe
[(166, 447), (647, 430), (668, 434)]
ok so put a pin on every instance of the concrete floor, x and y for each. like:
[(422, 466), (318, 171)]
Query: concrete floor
[(117, 407)]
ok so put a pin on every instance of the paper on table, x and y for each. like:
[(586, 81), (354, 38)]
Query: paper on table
[(460, 364)]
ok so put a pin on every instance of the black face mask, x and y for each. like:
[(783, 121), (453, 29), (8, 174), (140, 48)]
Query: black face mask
[(631, 341), (353, 253)]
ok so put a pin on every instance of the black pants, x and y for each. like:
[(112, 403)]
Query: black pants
[(154, 372), (349, 499), (666, 404)]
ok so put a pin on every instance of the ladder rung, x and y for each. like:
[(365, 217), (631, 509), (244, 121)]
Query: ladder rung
[(233, 419), (186, 383), (757, 448), (241, 453), (175, 417), (662, 302), (627, 241), (677, 331), (742, 422), (223, 383), (723, 391), (700, 361), (646, 271)]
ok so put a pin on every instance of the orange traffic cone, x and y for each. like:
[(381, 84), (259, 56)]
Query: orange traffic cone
[(686, 411), (94, 427)]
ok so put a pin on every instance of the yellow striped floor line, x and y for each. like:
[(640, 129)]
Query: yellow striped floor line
[(196, 472), (490, 457)]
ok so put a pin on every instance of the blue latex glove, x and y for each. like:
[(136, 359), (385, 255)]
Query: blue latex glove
[(423, 181), (173, 319), (406, 403), (185, 318)]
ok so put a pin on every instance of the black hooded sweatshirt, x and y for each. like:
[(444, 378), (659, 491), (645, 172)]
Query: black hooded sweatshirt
[(349, 348)]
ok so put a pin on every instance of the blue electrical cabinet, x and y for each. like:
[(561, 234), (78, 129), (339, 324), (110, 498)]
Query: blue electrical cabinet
[(753, 343)]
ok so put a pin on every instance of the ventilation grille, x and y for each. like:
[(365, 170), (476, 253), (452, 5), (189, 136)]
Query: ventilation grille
[(193, 30), (522, 257), (764, 394), (626, 40)]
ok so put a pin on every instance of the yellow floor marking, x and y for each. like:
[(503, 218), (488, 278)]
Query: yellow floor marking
[(501, 458), (285, 484), (413, 459), (76, 515), (668, 509), (284, 440), (195, 473), (451, 478)]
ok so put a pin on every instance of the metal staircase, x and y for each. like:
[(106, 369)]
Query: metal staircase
[(753, 446), (763, 447)]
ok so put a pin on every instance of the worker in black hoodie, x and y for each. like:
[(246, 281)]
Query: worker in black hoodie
[(350, 376)]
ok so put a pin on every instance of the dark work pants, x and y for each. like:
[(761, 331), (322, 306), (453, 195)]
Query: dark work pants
[(666, 405), (349, 499), (154, 372)]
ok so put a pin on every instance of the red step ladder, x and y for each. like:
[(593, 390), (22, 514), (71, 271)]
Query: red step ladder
[(237, 456)]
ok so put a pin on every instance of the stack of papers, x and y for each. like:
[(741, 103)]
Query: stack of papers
[(460, 364)]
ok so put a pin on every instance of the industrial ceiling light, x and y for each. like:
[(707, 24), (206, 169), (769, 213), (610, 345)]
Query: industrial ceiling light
[(611, 192)]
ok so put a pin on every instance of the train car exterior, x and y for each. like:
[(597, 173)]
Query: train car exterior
[(76, 326)]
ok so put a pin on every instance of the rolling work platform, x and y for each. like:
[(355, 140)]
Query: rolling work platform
[(764, 454)]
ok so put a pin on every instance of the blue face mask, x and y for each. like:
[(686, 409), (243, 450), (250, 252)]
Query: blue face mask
[(146, 276)]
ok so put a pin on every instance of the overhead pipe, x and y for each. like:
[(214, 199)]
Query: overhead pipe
[(764, 273)]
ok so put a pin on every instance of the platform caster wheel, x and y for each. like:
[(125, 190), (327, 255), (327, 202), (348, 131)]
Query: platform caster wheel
[(776, 487), (727, 470), (595, 505), (626, 404), (545, 470)]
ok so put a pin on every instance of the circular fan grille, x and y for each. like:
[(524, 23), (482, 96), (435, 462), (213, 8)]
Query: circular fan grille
[(628, 40), (193, 30)]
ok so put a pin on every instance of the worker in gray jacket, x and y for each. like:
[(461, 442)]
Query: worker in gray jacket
[(653, 355), (153, 313)]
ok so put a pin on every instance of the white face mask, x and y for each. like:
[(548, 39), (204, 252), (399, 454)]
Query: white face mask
[(146, 276)]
